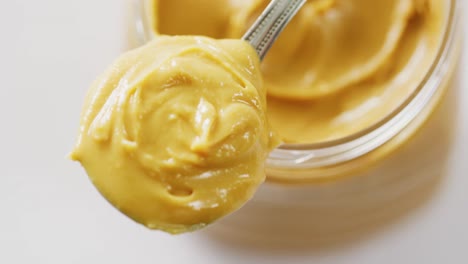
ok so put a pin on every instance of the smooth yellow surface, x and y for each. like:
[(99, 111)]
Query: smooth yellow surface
[(338, 68), (174, 134)]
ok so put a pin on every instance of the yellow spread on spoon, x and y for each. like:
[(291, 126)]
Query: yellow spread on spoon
[(174, 134)]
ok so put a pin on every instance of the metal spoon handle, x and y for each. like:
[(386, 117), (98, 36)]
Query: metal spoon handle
[(271, 22)]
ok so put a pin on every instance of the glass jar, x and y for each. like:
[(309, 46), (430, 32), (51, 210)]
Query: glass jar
[(331, 191)]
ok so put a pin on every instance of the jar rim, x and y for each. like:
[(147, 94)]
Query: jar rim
[(347, 148)]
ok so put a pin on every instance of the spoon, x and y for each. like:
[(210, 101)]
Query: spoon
[(266, 29)]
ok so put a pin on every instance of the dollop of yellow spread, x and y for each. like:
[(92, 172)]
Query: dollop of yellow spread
[(174, 134), (338, 68)]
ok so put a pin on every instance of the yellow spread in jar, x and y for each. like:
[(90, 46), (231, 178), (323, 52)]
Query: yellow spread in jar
[(338, 68), (174, 134)]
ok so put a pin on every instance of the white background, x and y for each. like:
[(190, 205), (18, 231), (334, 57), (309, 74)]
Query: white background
[(50, 51)]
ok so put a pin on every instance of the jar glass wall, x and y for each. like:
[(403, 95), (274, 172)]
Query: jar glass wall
[(332, 191)]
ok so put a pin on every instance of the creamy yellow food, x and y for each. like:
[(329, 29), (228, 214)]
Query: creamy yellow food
[(174, 134), (338, 68)]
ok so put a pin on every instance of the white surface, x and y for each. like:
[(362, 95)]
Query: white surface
[(50, 51)]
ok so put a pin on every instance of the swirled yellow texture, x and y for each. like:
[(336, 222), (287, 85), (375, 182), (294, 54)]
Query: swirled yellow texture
[(174, 134), (339, 68)]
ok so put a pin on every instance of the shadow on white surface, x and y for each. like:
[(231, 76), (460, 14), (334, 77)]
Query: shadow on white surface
[(287, 219)]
